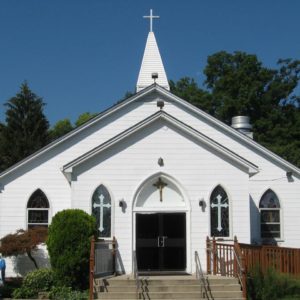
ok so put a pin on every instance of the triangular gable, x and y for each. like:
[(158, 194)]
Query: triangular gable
[(161, 115), (171, 97)]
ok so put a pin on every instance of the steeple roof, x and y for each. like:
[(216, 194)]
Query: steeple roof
[(152, 64)]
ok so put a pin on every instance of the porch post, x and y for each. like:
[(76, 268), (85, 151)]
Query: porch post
[(208, 255)]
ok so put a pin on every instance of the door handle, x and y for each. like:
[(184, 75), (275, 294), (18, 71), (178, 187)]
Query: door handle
[(161, 241)]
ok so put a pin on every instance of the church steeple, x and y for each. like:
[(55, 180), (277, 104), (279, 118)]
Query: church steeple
[(152, 69)]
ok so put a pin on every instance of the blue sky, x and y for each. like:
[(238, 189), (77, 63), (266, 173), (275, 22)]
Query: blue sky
[(83, 55)]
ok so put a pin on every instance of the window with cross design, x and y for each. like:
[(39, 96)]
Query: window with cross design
[(219, 213), (37, 210), (269, 208), (101, 210)]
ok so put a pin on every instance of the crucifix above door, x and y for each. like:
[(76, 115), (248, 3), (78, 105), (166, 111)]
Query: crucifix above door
[(160, 185)]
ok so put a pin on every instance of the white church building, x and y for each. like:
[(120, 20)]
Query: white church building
[(159, 175)]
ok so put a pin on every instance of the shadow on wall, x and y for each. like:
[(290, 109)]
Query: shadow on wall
[(119, 264), (20, 265), (254, 222)]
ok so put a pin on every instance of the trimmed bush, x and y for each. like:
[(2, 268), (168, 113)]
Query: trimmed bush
[(40, 280), (69, 246)]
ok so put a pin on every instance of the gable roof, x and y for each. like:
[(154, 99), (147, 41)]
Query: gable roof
[(162, 115), (136, 97)]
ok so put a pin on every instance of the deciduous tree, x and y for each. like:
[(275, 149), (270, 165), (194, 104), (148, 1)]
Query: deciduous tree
[(23, 242)]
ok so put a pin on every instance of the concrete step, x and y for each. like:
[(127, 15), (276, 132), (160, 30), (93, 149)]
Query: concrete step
[(167, 288), (144, 288), (162, 295), (226, 294)]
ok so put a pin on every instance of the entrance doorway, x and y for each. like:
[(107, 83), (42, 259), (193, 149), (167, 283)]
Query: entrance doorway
[(161, 242)]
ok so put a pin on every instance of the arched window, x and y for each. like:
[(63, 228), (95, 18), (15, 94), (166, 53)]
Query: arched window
[(269, 208), (38, 210), (219, 213), (101, 210)]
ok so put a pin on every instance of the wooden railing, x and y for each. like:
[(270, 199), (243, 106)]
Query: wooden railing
[(238, 259), (226, 260), (281, 259), (240, 270), (102, 261)]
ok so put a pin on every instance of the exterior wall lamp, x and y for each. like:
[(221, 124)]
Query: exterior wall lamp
[(202, 204)]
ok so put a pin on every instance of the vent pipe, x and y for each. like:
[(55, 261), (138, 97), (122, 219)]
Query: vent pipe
[(242, 124)]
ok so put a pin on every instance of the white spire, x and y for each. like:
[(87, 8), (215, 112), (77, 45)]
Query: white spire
[(152, 65)]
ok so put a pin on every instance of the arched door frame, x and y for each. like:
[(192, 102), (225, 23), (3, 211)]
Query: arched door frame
[(184, 209)]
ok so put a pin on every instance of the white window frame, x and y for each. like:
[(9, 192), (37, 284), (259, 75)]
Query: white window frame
[(28, 209), (270, 223)]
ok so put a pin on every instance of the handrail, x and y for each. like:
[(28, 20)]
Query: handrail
[(136, 275), (240, 268), (200, 276), (241, 272)]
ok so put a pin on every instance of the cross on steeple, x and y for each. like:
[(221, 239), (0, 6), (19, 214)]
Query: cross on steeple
[(101, 205), (151, 17), (160, 185), (219, 206)]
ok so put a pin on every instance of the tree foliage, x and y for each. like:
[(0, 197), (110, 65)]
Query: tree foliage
[(64, 126), (26, 128), (23, 242), (69, 246), (61, 128), (84, 117), (238, 84)]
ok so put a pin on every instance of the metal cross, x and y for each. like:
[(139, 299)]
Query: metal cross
[(160, 185), (101, 205), (219, 205), (151, 17)]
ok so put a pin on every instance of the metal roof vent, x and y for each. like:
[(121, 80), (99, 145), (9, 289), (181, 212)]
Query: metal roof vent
[(242, 124)]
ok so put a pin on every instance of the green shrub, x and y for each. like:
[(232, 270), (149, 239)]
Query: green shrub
[(66, 293), (40, 280), (69, 246), (272, 285)]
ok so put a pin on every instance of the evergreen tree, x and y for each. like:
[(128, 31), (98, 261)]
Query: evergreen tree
[(26, 128)]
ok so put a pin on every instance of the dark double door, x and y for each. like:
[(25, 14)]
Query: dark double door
[(161, 242)]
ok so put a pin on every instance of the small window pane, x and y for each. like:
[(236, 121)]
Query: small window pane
[(38, 216), (101, 210), (31, 226), (270, 216), (38, 200), (219, 213), (269, 200)]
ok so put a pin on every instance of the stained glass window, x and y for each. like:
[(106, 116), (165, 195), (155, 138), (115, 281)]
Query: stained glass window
[(219, 213), (269, 207), (101, 210), (38, 210)]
